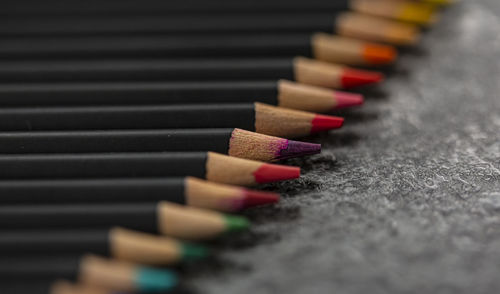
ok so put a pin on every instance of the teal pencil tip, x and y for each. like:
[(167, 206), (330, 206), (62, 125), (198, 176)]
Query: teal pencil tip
[(155, 280)]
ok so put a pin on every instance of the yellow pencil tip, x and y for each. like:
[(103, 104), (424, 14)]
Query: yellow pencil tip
[(420, 13)]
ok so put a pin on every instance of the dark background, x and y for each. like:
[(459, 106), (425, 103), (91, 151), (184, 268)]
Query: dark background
[(405, 198)]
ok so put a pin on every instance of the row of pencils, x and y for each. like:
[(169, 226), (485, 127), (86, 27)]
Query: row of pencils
[(131, 131)]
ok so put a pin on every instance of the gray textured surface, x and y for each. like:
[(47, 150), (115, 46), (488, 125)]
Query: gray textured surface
[(412, 204)]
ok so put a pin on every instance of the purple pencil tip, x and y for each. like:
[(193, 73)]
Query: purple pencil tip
[(297, 149)]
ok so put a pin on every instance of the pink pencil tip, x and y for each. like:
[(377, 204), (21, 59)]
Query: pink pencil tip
[(268, 173), (346, 99), (255, 198), (326, 122)]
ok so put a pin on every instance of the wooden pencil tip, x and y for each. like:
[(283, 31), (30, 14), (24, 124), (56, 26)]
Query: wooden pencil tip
[(345, 99), (352, 78), (322, 123), (253, 198), (268, 173)]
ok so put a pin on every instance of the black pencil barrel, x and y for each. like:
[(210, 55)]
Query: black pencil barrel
[(174, 164), (96, 7), (200, 45), (54, 242), (147, 70), (138, 93), (137, 216), (242, 22), (129, 117), (216, 140), (37, 268), (92, 191)]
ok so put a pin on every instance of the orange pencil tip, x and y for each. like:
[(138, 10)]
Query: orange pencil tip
[(379, 54)]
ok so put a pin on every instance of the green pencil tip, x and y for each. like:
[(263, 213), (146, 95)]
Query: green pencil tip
[(155, 280), (236, 223), (193, 251)]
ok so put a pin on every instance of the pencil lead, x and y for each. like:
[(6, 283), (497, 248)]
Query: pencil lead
[(268, 173), (379, 54), (253, 198), (408, 11), (296, 148), (355, 77), (345, 99), (420, 13), (193, 251), (322, 123), (236, 223), (152, 279)]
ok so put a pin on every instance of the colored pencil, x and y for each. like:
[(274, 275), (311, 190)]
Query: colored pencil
[(209, 165), (406, 10), (174, 220), (282, 93), (187, 191), (119, 243), (239, 21), (258, 117), (234, 142), (206, 45), (322, 46), (303, 70), (90, 270)]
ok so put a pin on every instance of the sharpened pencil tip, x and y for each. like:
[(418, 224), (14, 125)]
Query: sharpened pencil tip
[(268, 173), (322, 123), (420, 13), (253, 198), (193, 251), (155, 280), (354, 78), (379, 54), (345, 99), (297, 149), (236, 223)]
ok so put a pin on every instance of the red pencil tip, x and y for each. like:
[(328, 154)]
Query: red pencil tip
[(344, 99), (254, 198), (354, 77), (268, 173), (325, 122)]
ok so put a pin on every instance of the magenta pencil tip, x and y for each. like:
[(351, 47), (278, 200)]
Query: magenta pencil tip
[(297, 149)]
